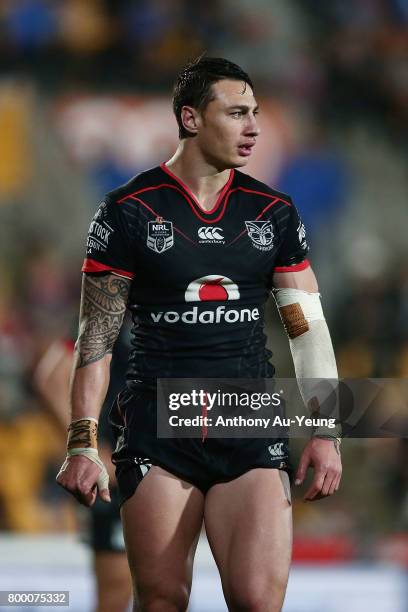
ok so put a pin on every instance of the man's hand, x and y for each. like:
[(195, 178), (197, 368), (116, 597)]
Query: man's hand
[(105, 455), (79, 476), (324, 456)]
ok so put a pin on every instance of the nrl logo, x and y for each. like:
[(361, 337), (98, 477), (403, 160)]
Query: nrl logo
[(160, 235), (261, 234)]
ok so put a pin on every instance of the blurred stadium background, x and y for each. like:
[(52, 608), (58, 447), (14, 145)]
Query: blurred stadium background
[(84, 105)]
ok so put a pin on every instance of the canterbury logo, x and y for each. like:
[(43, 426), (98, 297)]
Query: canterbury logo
[(210, 233), (276, 449)]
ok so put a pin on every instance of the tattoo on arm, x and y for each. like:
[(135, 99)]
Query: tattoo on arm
[(103, 306)]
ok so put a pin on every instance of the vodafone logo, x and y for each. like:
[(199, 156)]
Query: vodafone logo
[(212, 288), (205, 317)]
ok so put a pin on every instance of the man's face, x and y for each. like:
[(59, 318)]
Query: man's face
[(227, 127)]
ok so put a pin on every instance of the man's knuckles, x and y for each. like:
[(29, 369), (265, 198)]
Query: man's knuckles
[(84, 489)]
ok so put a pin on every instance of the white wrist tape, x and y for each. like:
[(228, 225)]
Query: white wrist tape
[(309, 338), (92, 454)]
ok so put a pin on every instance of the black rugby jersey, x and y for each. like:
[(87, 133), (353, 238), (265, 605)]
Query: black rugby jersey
[(200, 279)]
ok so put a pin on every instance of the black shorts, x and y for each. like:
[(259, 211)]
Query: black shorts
[(103, 528), (203, 464)]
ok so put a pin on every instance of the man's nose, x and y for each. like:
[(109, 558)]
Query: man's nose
[(252, 128)]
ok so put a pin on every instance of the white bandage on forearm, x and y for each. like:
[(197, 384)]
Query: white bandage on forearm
[(312, 352), (310, 343), (297, 309), (92, 454), (309, 338)]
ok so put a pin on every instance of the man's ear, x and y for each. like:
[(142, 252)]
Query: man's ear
[(190, 119)]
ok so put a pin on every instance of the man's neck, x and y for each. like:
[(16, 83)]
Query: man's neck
[(203, 179)]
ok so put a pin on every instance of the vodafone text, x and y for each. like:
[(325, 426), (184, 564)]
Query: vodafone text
[(219, 315)]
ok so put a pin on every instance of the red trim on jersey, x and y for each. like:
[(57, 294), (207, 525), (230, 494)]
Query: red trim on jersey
[(184, 235), (192, 196), (90, 265), (262, 193), (169, 186), (194, 208), (296, 268), (145, 205), (152, 188), (272, 204)]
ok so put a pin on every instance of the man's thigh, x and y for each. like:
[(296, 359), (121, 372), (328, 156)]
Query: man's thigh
[(249, 528), (162, 523)]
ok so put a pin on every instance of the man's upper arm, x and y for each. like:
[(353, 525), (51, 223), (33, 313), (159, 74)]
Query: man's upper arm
[(304, 280), (109, 270)]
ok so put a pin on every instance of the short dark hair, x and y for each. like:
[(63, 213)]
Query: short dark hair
[(193, 84)]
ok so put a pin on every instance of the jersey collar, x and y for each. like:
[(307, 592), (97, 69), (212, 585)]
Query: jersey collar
[(192, 196)]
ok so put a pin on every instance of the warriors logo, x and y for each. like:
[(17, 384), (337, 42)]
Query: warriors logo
[(261, 234)]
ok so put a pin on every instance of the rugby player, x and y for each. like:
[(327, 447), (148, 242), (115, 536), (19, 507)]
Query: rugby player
[(194, 247), (103, 528)]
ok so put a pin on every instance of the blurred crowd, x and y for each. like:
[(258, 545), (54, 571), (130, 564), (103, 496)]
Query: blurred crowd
[(326, 71), (351, 60), (363, 49), (119, 42)]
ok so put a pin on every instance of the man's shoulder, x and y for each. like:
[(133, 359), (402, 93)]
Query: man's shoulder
[(148, 178), (253, 185)]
